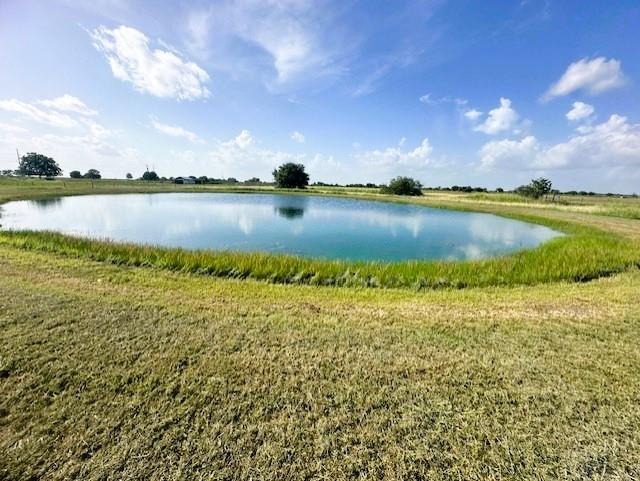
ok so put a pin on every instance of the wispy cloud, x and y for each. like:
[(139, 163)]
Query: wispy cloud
[(175, 131), (45, 116), (429, 99), (69, 103), (162, 73), (290, 36)]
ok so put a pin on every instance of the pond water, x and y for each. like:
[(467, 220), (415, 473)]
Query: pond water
[(312, 226)]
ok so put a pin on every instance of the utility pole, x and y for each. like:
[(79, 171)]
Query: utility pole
[(18, 154)]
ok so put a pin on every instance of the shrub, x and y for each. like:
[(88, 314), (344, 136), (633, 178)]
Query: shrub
[(75, 174), (403, 186)]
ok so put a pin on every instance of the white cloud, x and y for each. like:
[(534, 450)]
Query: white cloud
[(161, 73), (12, 129), (500, 119), (68, 103), (612, 143), (397, 156), (580, 111), (429, 100), (594, 76), (85, 143), (174, 131), (473, 114), (509, 154), (244, 140), (297, 137), (55, 119), (288, 35)]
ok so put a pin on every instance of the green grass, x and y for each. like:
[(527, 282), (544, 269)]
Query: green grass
[(584, 253), (116, 371), (612, 206), (112, 372)]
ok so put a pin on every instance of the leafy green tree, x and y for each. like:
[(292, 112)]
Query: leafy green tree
[(291, 176), (150, 175), (75, 174), (129, 176), (536, 188), (93, 174), (38, 164), (541, 186), (403, 186)]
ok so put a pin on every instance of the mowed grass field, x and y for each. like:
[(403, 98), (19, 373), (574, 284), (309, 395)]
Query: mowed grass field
[(114, 371)]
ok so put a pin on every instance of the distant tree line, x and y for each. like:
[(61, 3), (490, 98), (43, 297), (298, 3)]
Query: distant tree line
[(293, 176)]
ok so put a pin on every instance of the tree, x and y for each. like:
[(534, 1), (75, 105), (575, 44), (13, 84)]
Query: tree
[(93, 174), (536, 188), (291, 176), (129, 176), (150, 175), (541, 186), (403, 186), (38, 164), (75, 174)]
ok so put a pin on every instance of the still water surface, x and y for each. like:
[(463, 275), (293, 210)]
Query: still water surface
[(331, 228)]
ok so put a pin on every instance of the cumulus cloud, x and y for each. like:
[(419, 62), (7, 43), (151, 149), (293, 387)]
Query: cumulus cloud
[(174, 131), (580, 111), (69, 103), (297, 137), (49, 117), (162, 73), (397, 156), (615, 142), (244, 140), (500, 119), (510, 154), (593, 76)]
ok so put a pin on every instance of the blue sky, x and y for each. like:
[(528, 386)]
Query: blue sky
[(451, 92)]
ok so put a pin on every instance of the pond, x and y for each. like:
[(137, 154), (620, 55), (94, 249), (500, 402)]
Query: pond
[(305, 225)]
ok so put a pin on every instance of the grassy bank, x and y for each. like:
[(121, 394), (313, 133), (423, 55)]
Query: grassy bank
[(586, 252), (116, 370)]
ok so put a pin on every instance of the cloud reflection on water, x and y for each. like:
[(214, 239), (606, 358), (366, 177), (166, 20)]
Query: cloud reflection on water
[(305, 225)]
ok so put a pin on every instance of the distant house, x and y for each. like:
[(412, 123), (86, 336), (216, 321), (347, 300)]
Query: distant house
[(184, 180)]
